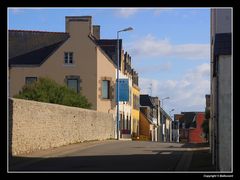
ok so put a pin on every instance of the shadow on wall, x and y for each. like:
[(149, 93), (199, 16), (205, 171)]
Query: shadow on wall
[(113, 101)]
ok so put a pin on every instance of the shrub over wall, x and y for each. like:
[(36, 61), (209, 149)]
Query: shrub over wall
[(144, 138), (47, 90)]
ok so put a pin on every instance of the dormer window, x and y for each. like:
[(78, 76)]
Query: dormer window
[(68, 58)]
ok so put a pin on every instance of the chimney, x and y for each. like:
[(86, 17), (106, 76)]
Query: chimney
[(96, 31), (78, 25)]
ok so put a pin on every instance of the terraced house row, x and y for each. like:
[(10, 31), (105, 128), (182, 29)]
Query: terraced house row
[(80, 59)]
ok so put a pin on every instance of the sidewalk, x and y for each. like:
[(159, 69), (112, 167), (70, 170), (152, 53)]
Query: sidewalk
[(37, 156)]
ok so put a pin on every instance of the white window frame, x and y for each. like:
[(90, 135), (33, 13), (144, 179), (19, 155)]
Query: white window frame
[(108, 89), (68, 56), (33, 78)]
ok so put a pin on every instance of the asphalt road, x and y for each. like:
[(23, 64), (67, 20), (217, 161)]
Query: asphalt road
[(109, 156)]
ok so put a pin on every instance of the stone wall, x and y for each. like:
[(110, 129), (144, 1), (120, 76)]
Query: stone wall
[(36, 125)]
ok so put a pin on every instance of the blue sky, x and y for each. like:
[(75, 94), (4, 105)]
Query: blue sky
[(169, 46)]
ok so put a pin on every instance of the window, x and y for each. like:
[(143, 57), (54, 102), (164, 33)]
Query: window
[(215, 66), (73, 84), (30, 80), (68, 57), (129, 123), (105, 89), (121, 122), (130, 96), (135, 102)]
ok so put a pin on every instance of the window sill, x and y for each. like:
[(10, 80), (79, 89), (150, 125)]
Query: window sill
[(106, 99), (69, 65)]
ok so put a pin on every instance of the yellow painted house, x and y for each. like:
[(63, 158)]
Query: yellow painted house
[(134, 101), (135, 105)]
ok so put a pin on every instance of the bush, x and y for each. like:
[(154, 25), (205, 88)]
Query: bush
[(207, 113), (144, 138), (134, 136), (205, 127), (205, 124), (47, 90)]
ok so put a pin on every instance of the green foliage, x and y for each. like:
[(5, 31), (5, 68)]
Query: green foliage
[(134, 136), (47, 90), (205, 124), (144, 138), (205, 127), (207, 114)]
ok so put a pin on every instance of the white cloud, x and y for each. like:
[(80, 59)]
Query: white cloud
[(162, 10), (199, 72), (126, 12), (151, 46), (16, 10), (146, 84), (186, 93), (154, 68), (192, 51)]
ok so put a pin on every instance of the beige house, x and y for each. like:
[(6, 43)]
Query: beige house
[(126, 124), (73, 58)]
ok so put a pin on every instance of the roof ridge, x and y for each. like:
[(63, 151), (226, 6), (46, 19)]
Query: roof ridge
[(20, 30), (112, 39)]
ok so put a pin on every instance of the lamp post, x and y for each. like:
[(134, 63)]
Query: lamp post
[(164, 99), (171, 126), (126, 29), (170, 112)]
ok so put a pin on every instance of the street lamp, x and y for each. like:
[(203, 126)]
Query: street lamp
[(164, 99), (171, 126), (171, 111), (126, 29)]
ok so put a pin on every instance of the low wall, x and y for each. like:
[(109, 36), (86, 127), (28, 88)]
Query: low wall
[(36, 125)]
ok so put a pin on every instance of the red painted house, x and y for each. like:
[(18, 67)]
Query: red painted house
[(196, 132)]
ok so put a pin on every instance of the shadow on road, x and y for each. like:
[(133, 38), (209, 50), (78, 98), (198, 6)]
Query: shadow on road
[(97, 163), (159, 160)]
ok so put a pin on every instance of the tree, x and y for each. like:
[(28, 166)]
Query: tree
[(207, 114), (47, 90), (205, 126)]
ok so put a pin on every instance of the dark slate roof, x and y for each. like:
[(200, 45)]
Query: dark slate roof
[(154, 100), (35, 57), (32, 47), (143, 113), (164, 113), (109, 46), (145, 100), (222, 44)]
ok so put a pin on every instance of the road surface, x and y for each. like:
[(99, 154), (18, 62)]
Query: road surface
[(110, 156)]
